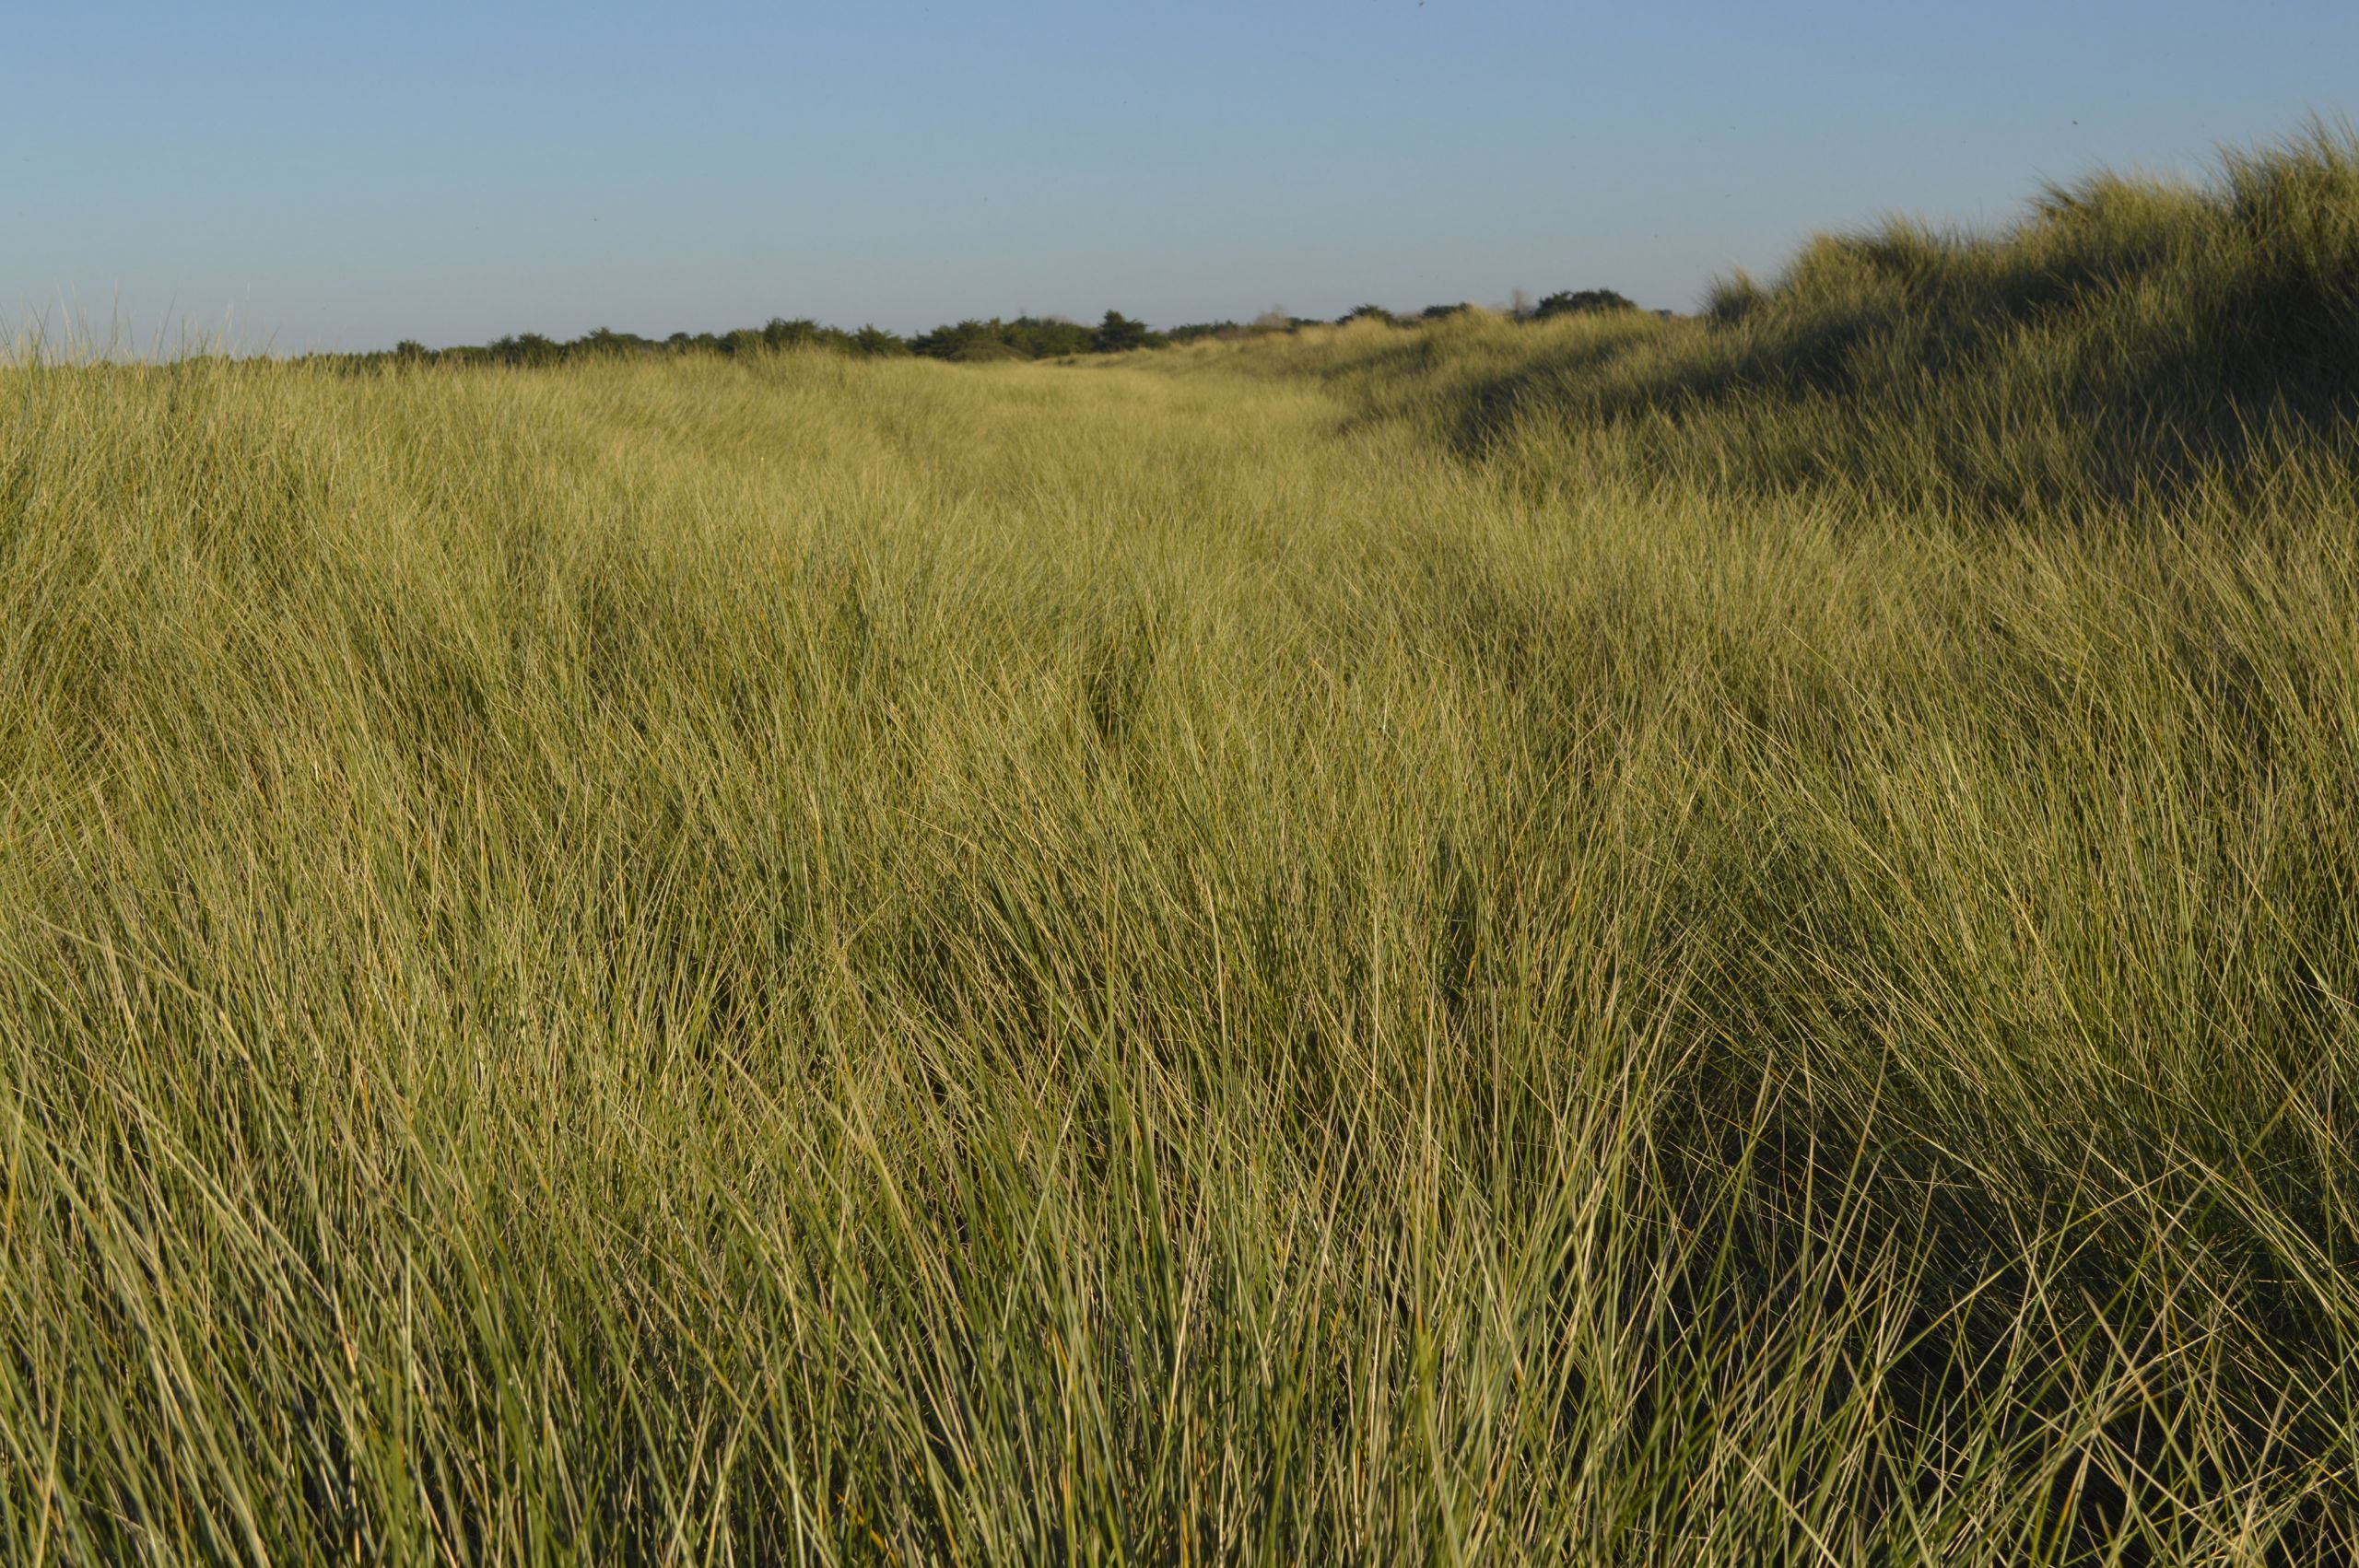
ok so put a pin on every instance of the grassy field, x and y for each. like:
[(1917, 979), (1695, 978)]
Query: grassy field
[(1723, 941)]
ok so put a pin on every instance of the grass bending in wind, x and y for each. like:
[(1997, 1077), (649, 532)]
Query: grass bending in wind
[(798, 960)]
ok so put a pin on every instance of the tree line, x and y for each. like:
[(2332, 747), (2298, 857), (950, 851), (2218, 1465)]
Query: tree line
[(967, 342)]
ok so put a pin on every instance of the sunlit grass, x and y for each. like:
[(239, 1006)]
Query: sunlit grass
[(1245, 957)]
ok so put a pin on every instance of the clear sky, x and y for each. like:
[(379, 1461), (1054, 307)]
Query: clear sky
[(334, 175)]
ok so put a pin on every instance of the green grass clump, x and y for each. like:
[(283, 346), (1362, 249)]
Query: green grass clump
[(806, 960)]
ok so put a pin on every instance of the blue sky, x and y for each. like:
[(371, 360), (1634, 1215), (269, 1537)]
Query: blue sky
[(326, 175)]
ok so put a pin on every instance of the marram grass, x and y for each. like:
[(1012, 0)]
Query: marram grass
[(802, 961)]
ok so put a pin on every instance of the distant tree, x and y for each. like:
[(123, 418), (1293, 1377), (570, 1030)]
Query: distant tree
[(1437, 312), (1026, 337), (1367, 313), (1118, 333), (607, 341), (942, 342), (969, 339), (800, 332), (527, 348), (1582, 303), (1050, 337), (1275, 319)]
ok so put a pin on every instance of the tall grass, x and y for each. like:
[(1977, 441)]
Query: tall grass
[(1277, 955)]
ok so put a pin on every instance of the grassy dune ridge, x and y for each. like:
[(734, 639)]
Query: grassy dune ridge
[(1372, 946), (2128, 347)]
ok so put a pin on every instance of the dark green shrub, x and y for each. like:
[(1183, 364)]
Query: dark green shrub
[(1119, 333), (1581, 302)]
